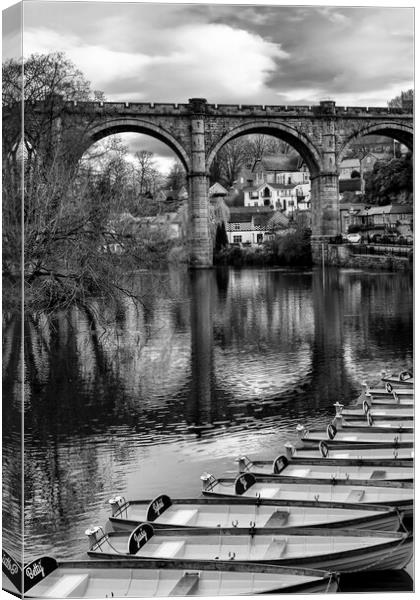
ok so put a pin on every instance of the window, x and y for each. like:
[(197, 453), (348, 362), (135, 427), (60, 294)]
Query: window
[(237, 239), (237, 226), (270, 177), (290, 203)]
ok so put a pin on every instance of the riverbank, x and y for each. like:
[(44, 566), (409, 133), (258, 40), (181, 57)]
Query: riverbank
[(342, 255)]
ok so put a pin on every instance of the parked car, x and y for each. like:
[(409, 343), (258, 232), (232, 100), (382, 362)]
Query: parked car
[(354, 238)]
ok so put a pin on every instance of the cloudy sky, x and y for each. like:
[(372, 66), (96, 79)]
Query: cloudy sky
[(227, 53)]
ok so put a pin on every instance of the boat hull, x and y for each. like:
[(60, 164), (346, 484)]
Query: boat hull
[(264, 513), (327, 469), (164, 578), (399, 496), (333, 550)]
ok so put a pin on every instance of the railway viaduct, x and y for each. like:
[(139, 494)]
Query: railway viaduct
[(197, 131)]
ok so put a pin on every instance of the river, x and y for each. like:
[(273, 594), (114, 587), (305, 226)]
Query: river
[(211, 365)]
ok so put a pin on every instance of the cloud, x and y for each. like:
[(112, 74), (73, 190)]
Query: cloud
[(211, 60), (228, 53)]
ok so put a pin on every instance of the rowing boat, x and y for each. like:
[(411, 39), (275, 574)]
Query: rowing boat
[(388, 391), (390, 413), (342, 550), (240, 512), (135, 578), (365, 451), (393, 401), (356, 470), (333, 435), (403, 379), (376, 423), (396, 494)]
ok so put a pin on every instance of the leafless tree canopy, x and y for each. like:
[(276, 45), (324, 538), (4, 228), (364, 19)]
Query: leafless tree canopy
[(72, 249)]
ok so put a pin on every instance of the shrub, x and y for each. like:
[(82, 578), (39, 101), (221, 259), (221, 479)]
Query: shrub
[(294, 249)]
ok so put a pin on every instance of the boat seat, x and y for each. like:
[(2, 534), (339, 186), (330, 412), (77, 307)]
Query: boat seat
[(299, 472), (378, 475), (277, 519), (268, 492), (356, 496), (275, 549), (187, 584), (68, 585), (168, 549), (183, 517)]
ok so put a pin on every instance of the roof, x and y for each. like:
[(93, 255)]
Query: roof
[(261, 220), (346, 163), (353, 205), (273, 186), (250, 209), (394, 209), (241, 217), (217, 188)]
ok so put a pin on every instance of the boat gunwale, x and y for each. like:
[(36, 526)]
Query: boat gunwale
[(244, 500), (334, 481), (261, 531), (189, 563), (351, 462)]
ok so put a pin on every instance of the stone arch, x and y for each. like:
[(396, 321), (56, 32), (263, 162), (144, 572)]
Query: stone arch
[(292, 136), (398, 131), (124, 125)]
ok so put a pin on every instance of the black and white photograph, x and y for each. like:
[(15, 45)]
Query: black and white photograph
[(208, 299)]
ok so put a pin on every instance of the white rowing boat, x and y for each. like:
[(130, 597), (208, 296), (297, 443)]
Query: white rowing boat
[(375, 423), (326, 469), (368, 435), (402, 379), (391, 413), (387, 392), (340, 550), (48, 578), (363, 451), (240, 512), (399, 494), (393, 401)]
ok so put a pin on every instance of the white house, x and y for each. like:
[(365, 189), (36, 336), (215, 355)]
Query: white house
[(279, 196), (254, 225)]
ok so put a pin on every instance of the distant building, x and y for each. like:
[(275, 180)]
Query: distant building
[(288, 198), (347, 167), (217, 189), (351, 214), (255, 225), (377, 219), (282, 169), (279, 169), (397, 217)]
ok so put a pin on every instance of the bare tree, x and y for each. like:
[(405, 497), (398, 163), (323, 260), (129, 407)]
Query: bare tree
[(72, 252), (404, 99)]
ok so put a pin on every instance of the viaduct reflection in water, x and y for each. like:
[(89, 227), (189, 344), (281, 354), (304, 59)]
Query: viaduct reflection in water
[(205, 349)]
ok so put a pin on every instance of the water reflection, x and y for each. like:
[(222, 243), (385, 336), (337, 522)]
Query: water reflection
[(212, 364)]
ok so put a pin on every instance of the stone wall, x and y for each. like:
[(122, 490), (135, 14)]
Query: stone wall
[(341, 255)]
